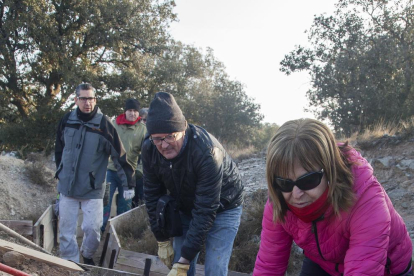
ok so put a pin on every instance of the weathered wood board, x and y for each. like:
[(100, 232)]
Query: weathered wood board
[(133, 261), (113, 247), (43, 234), (23, 227), (39, 256)]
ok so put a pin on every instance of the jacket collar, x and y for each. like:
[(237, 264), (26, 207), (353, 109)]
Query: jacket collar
[(96, 120)]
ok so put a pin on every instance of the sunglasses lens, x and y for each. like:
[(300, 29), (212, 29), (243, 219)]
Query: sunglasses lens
[(283, 185), (306, 182), (310, 181)]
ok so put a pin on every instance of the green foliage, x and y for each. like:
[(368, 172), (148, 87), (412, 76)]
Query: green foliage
[(211, 100), (123, 49), (263, 134), (34, 133), (361, 64), (48, 47)]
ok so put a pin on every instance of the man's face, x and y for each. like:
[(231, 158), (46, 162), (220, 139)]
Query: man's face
[(171, 149), (131, 115), (86, 101)]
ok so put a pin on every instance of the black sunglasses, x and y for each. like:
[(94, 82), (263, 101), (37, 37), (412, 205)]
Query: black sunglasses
[(305, 182)]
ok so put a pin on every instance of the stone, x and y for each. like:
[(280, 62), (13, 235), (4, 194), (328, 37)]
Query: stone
[(406, 184), (409, 163), (13, 258), (385, 161)]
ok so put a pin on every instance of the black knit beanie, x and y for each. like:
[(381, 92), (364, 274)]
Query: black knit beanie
[(131, 104), (164, 115)]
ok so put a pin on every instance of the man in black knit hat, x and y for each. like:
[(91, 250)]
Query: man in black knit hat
[(84, 142), (189, 164)]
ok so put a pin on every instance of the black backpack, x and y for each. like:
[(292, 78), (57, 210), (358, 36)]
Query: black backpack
[(168, 217)]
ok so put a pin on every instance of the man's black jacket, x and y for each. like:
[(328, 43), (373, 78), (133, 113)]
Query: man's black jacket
[(203, 178)]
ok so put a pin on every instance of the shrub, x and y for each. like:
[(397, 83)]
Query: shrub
[(238, 153), (37, 172), (136, 235), (34, 133), (247, 241)]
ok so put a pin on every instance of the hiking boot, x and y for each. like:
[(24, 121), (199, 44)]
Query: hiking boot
[(88, 261)]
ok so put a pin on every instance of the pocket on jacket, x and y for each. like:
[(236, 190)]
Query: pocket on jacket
[(92, 180), (68, 135)]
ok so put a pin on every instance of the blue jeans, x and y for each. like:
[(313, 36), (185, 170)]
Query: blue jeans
[(122, 205), (219, 242)]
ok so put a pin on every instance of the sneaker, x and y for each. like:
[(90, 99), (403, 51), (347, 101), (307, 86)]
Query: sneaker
[(88, 261)]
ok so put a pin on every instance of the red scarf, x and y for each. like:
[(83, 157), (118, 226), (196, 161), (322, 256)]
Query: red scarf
[(314, 210), (121, 120)]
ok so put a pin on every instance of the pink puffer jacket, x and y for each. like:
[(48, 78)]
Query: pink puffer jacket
[(361, 242)]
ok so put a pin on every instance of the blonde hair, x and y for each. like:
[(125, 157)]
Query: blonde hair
[(313, 145)]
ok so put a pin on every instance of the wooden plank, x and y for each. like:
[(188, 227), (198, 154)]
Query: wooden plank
[(113, 205), (137, 260), (126, 217), (113, 244), (43, 234), (23, 227), (137, 270), (39, 256), (104, 249), (94, 270)]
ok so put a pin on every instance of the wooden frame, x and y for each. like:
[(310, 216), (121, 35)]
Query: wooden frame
[(133, 261), (44, 230)]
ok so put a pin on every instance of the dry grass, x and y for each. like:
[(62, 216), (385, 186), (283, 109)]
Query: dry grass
[(240, 154), (379, 130), (247, 241), (37, 172), (136, 235)]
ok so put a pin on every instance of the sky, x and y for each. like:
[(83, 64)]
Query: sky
[(251, 38)]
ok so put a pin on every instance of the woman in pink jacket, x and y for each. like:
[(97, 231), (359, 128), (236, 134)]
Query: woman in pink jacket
[(325, 198)]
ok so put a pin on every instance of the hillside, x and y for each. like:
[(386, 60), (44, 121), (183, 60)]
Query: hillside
[(391, 158)]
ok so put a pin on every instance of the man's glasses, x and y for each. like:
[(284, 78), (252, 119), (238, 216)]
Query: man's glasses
[(305, 182), (170, 138), (86, 99)]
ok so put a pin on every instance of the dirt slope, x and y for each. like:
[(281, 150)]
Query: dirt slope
[(391, 158), (22, 199)]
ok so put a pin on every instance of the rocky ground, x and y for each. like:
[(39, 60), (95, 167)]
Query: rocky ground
[(391, 157)]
